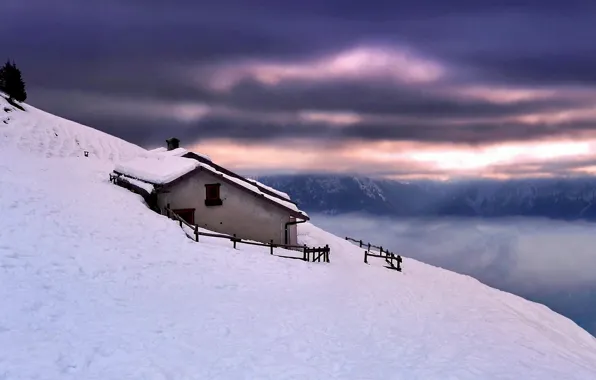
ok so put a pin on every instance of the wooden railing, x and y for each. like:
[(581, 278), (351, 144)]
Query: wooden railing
[(392, 259), (366, 245), (316, 254)]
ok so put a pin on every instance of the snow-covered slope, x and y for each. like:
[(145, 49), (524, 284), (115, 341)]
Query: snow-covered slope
[(38, 132), (93, 285)]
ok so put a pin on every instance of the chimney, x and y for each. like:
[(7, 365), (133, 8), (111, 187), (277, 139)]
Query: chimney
[(173, 143)]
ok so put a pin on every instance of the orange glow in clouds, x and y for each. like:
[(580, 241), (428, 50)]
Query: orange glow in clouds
[(406, 160), (510, 154)]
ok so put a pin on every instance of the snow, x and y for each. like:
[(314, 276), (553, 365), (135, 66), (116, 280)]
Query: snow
[(107, 289), (143, 185), (158, 169), (40, 133), (178, 152)]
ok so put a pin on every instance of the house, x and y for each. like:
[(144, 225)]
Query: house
[(211, 196)]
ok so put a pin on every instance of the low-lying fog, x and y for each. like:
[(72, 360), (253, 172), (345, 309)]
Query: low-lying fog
[(547, 261)]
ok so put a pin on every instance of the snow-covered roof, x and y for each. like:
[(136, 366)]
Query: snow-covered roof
[(156, 169), (163, 168), (179, 152), (202, 155), (275, 191)]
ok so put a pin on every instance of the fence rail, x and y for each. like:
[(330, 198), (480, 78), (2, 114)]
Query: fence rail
[(316, 254), (362, 244), (392, 259)]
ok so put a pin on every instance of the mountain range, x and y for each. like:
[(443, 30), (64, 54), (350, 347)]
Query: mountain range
[(556, 198)]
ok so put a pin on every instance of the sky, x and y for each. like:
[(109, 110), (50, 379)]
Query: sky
[(408, 89)]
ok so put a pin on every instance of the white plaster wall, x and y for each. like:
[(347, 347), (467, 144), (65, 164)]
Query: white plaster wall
[(245, 214)]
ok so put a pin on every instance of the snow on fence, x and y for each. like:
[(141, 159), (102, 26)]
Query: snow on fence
[(393, 260), (312, 254)]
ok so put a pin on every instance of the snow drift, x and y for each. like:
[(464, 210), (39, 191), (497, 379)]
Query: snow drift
[(93, 285)]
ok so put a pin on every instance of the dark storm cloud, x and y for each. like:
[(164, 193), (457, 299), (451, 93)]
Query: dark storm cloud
[(557, 68), (380, 99), (144, 49), (121, 31), (397, 114), (153, 129), (468, 134)]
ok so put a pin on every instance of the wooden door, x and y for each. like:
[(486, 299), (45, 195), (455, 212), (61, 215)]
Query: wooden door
[(188, 214)]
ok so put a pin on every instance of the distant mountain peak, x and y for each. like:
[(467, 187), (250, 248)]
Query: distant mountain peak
[(558, 198)]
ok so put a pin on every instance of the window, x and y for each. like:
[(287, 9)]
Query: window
[(212, 197)]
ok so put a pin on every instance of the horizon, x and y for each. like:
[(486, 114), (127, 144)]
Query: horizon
[(403, 91), (451, 179)]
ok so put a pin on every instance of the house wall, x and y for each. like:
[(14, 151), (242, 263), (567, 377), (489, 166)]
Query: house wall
[(243, 213)]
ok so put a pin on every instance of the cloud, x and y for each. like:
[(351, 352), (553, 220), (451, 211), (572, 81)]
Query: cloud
[(332, 118), (505, 155), (363, 62), (557, 68), (344, 141), (433, 73), (209, 119)]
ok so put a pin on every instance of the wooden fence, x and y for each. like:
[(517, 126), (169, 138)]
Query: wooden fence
[(316, 254), (392, 259)]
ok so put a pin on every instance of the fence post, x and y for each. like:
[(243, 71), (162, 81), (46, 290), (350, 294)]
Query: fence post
[(304, 253), (234, 240), (365, 257), (368, 247), (197, 232), (399, 263), (360, 243), (272, 246), (327, 253), (180, 220)]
